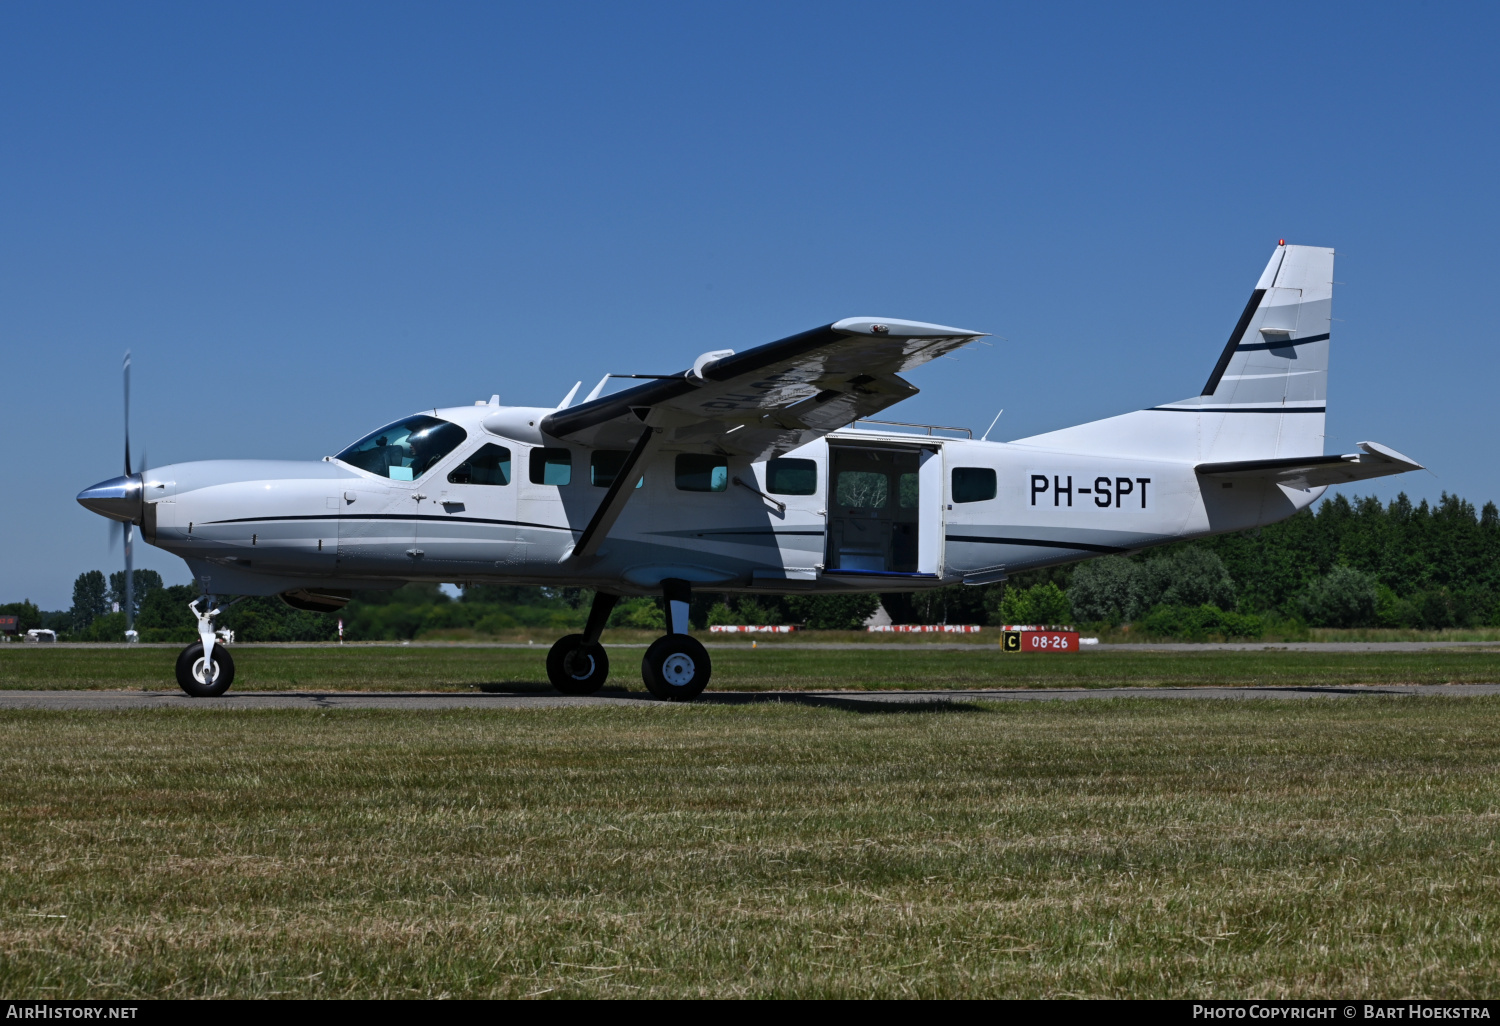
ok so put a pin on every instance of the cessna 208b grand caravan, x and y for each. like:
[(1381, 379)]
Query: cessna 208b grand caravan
[(746, 473)]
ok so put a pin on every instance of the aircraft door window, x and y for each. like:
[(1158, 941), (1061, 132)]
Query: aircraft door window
[(973, 484), (488, 465), (604, 467), (701, 473), (863, 489), (791, 477), (405, 450), (551, 466)]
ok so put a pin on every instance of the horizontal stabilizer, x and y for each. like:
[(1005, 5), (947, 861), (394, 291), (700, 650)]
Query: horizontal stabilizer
[(1304, 472)]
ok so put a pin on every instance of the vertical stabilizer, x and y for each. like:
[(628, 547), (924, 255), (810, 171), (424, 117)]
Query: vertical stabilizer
[(1278, 352), (1265, 397)]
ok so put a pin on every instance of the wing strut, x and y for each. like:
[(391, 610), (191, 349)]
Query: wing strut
[(620, 490)]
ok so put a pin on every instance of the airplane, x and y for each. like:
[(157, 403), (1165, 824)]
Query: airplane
[(758, 471)]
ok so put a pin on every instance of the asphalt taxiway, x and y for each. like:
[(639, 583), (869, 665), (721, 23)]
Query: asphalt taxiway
[(545, 698)]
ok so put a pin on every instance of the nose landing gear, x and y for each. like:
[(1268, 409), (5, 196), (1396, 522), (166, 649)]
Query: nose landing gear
[(204, 669)]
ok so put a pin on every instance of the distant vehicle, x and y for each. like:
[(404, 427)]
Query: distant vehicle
[(41, 636), (748, 472)]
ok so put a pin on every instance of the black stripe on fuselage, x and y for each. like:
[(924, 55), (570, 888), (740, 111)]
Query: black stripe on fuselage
[(1241, 409), (409, 517), (1037, 543), (1288, 344), (717, 532)]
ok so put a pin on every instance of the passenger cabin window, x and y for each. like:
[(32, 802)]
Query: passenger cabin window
[(973, 484), (604, 467), (551, 466), (405, 450), (863, 489), (791, 477), (699, 473), (489, 465)]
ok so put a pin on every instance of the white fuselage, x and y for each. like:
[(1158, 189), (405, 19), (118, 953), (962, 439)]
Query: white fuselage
[(253, 527)]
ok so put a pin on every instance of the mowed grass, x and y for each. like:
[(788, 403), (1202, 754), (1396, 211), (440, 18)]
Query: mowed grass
[(741, 668), (1109, 848)]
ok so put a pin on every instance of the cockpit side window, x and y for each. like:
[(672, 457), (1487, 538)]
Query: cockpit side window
[(488, 465), (405, 450)]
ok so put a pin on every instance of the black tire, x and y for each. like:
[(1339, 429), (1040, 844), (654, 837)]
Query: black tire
[(575, 668), (191, 660), (676, 668)]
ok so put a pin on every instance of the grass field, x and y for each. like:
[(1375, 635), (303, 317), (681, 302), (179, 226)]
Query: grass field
[(1097, 848), (739, 668)]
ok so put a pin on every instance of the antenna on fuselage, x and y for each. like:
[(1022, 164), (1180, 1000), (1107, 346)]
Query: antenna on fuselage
[(985, 437)]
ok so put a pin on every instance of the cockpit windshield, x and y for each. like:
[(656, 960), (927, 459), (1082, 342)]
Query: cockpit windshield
[(405, 450)]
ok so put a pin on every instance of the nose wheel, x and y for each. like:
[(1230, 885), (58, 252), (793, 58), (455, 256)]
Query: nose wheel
[(205, 678)]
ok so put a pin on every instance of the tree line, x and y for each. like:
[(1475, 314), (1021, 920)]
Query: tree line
[(1349, 563)]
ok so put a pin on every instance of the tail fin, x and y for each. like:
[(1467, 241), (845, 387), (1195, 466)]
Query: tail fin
[(1266, 396)]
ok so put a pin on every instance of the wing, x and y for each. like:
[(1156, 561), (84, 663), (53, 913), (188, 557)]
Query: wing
[(770, 399), (1306, 472)]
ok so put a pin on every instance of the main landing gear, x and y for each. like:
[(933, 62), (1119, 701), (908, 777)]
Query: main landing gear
[(676, 668), (205, 669), (577, 664)]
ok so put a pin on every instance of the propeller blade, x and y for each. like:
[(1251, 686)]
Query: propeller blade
[(129, 577), (127, 413)]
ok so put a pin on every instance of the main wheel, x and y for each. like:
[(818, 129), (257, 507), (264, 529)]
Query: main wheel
[(201, 682), (676, 668), (575, 668)]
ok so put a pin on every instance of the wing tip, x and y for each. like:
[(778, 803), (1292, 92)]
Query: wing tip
[(1387, 453), (896, 327)]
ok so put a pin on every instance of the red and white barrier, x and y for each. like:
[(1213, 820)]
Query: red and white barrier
[(736, 629), (926, 628)]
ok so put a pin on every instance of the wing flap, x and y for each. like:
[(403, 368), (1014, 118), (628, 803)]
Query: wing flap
[(1304, 472)]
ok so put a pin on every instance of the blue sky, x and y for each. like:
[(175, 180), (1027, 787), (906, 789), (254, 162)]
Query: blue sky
[(308, 219)]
